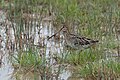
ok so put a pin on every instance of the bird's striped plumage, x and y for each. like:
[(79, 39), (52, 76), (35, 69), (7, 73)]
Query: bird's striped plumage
[(77, 42)]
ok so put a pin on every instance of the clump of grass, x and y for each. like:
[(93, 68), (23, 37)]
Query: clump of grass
[(27, 60), (31, 62), (81, 58), (104, 69)]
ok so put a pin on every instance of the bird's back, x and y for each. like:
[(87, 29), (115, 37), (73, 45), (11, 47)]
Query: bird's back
[(79, 42)]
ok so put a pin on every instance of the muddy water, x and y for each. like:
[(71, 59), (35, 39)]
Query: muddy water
[(39, 36)]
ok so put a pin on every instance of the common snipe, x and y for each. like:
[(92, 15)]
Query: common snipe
[(77, 42)]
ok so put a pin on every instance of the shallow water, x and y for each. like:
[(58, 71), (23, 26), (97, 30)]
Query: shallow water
[(39, 36)]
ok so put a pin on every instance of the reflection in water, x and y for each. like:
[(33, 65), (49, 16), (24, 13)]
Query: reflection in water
[(38, 37)]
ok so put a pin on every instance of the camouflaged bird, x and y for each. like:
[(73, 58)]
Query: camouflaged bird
[(77, 42)]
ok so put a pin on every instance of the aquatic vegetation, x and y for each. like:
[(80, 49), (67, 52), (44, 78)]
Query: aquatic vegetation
[(31, 62), (81, 58), (27, 60), (103, 69), (95, 19)]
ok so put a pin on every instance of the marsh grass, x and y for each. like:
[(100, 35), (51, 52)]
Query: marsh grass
[(83, 57), (27, 60), (30, 62), (96, 19), (104, 69)]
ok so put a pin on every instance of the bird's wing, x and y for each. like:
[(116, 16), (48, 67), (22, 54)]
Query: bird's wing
[(87, 41), (78, 40)]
